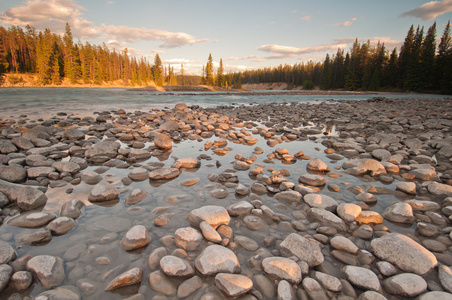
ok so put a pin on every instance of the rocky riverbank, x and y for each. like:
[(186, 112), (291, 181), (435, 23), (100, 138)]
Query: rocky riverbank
[(336, 200)]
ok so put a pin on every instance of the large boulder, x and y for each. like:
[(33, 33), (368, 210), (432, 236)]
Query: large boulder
[(404, 252)]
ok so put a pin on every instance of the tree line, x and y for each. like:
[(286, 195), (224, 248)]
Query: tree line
[(55, 58), (420, 65)]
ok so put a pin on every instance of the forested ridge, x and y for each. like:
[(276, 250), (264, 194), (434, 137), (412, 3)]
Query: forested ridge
[(419, 65)]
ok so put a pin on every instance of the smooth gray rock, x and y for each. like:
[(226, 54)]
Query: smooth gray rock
[(312, 180), (35, 172), (32, 219), (58, 294), (314, 289), (49, 270), (161, 283), (135, 196), (188, 238), (20, 280), (285, 291), (404, 253), (445, 277), (214, 215), (103, 191), (137, 237), (30, 198), (72, 209), (407, 187), (348, 211), (105, 148), (306, 250), (290, 196), (139, 174), (329, 282), (5, 275), (73, 134), (13, 173), (343, 243), (35, 238), (371, 295), (7, 253), (61, 225), (321, 201), (440, 189), (317, 165), (369, 165), (240, 208), (176, 267), (189, 286), (217, 259), (405, 285), (66, 166), (361, 277), (327, 217), (90, 177)]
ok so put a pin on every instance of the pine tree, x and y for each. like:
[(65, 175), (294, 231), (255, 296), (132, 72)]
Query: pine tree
[(157, 71), (413, 81), (391, 72), (220, 75), (3, 61), (444, 65), (182, 73), (404, 58), (326, 74), (209, 71), (428, 58)]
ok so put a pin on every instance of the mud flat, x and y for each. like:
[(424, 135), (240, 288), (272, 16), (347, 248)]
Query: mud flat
[(335, 200)]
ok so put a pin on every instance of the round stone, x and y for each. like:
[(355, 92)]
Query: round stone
[(137, 237)]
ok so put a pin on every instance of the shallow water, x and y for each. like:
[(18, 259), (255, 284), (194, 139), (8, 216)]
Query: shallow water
[(100, 228)]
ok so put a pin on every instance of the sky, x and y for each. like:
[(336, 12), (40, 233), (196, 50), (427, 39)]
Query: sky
[(245, 34)]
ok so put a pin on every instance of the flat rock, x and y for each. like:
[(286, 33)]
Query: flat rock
[(137, 237), (321, 201), (7, 253), (368, 216), (59, 294), (61, 225), (22, 143), (420, 205), (220, 193), (246, 243), (405, 285), (312, 180), (369, 165), (233, 285), (217, 259), (285, 291), (139, 174), (306, 250), (343, 243), (35, 172), (155, 257), (20, 280), (32, 219), (290, 196), (188, 238), (371, 295), (163, 141), (214, 215), (189, 286), (130, 277), (440, 189), (36, 238), (49, 270), (13, 173), (327, 217), (404, 253), (282, 268), (254, 222), (242, 189), (66, 166), (105, 148), (164, 174), (139, 154), (5, 275), (103, 191), (314, 289), (73, 134), (361, 277), (241, 165), (399, 212), (176, 267), (435, 295), (407, 187), (317, 165)]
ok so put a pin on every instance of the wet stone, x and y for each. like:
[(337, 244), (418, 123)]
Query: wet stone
[(282, 268), (348, 211), (313, 288), (7, 253), (240, 208), (72, 209), (306, 250), (361, 277), (246, 243), (188, 238), (20, 280), (49, 270), (139, 174), (35, 238), (164, 174), (254, 222), (405, 285), (175, 266), (135, 238), (328, 218), (445, 277), (189, 286), (135, 196), (155, 256), (30, 198), (61, 225), (90, 177), (321, 201), (32, 219), (59, 293), (407, 187), (317, 165), (343, 243), (285, 291), (233, 285), (13, 173), (5, 275), (130, 277), (217, 259), (399, 212), (103, 191), (312, 180), (290, 196), (209, 232), (214, 215), (219, 193)]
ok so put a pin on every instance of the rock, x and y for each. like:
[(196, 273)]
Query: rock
[(61, 225), (258, 188), (329, 282), (20, 280), (405, 285), (188, 238), (163, 141), (5, 275), (407, 187), (381, 154), (103, 191), (72, 209), (66, 166), (90, 177), (135, 196), (30, 198), (32, 219), (385, 268), (369, 165), (440, 189), (155, 256), (313, 289), (39, 172), (49, 270), (445, 277), (306, 250), (3, 200), (312, 180), (361, 278), (367, 216), (209, 232), (242, 190), (419, 205), (58, 294), (127, 278), (326, 217), (22, 143), (214, 215), (105, 148), (139, 174), (241, 165), (317, 165), (175, 266), (285, 291), (139, 154), (282, 268), (233, 285), (321, 201), (189, 286), (36, 238), (371, 295), (7, 253), (13, 173), (164, 174), (348, 211), (436, 295), (161, 283), (343, 243), (220, 193), (137, 237), (7, 147), (399, 212), (240, 208), (289, 196), (73, 134), (366, 198), (254, 222), (404, 253), (246, 243), (425, 173), (217, 259)]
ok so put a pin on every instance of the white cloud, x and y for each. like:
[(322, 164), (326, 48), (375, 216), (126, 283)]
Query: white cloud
[(288, 50), (177, 61), (346, 23), (430, 10), (54, 14), (389, 42), (306, 18)]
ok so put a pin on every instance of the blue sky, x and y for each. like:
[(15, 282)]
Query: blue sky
[(246, 34)]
